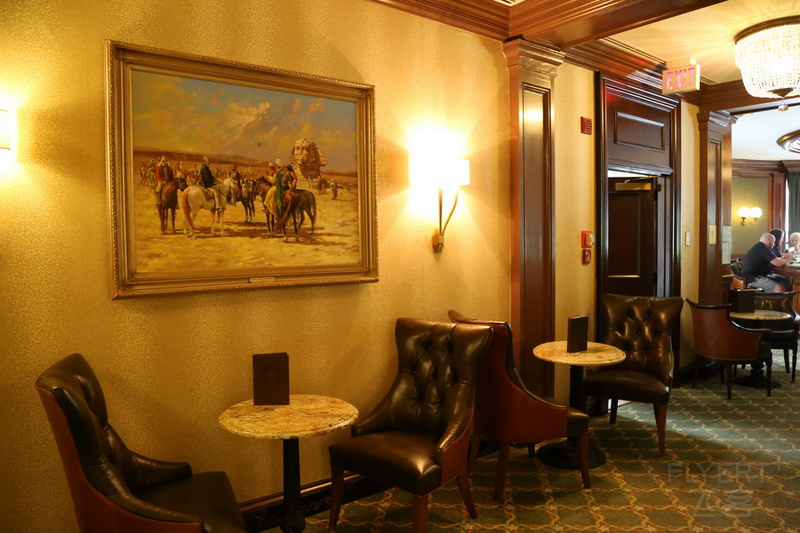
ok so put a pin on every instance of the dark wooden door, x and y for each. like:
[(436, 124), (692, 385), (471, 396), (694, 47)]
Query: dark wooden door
[(632, 236)]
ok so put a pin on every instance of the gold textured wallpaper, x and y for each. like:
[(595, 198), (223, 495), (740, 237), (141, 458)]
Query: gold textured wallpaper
[(170, 365)]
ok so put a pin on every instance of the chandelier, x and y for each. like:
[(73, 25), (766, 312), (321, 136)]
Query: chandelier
[(768, 54)]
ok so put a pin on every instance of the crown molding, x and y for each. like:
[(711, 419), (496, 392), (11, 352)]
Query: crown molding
[(563, 23), (567, 23)]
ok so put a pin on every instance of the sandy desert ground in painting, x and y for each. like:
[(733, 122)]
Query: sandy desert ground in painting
[(335, 240)]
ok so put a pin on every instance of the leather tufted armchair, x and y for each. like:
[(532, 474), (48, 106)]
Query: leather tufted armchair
[(507, 412), (417, 437), (115, 489), (642, 327)]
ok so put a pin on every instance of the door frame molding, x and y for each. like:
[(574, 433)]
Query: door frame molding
[(670, 181)]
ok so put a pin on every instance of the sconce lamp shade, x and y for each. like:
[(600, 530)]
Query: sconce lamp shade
[(428, 171), (5, 126), (434, 171), (745, 212)]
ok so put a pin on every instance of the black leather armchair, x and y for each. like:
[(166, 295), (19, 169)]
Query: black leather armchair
[(642, 327), (115, 489), (783, 334), (417, 438)]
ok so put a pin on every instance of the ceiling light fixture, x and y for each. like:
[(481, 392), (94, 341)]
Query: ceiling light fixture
[(790, 142), (768, 54)]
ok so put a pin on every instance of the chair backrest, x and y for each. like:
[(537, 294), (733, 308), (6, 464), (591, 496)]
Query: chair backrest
[(775, 301), (505, 409), (437, 367), (101, 471), (715, 336), (642, 327), (738, 282), (736, 267)]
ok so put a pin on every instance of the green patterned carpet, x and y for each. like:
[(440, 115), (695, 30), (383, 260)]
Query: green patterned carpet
[(731, 466)]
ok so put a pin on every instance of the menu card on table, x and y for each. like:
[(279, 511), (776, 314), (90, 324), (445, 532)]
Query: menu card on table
[(271, 379), (577, 334)]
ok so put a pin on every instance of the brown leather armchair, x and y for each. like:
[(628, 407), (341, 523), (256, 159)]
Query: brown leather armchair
[(642, 327), (717, 337), (507, 412), (115, 489), (783, 334), (417, 437)]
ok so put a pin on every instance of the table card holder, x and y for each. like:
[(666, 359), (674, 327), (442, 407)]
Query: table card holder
[(577, 334), (742, 300), (271, 379)]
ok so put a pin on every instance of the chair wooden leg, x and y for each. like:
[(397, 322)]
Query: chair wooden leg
[(728, 373), (337, 492), (786, 360), (583, 458), (502, 470), (612, 418), (769, 377), (660, 411), (473, 450), (794, 363), (420, 513), (466, 493)]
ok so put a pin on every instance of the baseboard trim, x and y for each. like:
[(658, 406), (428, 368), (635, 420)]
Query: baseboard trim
[(266, 512)]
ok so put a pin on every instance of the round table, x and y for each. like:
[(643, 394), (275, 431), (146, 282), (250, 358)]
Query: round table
[(564, 454), (306, 416), (759, 319)]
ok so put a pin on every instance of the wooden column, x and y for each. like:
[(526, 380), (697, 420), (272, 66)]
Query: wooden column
[(715, 178), (532, 69)]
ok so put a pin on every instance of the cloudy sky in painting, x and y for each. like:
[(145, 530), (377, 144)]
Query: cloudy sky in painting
[(182, 114)]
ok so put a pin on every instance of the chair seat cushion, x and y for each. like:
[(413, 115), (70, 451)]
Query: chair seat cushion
[(783, 339), (208, 495), (626, 385), (403, 459)]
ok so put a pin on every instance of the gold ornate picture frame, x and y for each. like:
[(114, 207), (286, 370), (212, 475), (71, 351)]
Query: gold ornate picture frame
[(286, 159)]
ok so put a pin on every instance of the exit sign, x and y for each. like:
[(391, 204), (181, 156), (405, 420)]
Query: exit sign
[(676, 79)]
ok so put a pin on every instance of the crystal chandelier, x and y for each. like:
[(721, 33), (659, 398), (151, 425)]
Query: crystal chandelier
[(768, 54)]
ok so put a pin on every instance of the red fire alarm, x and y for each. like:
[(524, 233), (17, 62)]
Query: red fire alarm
[(586, 125), (587, 239)]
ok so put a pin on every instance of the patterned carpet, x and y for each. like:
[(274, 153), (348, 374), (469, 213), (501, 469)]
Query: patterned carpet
[(731, 466)]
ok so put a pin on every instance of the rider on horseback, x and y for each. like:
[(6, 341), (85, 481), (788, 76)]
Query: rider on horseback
[(163, 175), (208, 182)]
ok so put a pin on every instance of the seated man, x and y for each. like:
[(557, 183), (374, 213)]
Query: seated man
[(758, 263)]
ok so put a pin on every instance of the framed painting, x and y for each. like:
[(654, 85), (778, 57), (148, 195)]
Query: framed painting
[(225, 175)]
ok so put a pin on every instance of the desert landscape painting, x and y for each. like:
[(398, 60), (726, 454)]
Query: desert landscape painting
[(228, 179)]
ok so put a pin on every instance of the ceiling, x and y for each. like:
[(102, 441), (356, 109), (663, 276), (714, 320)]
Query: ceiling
[(707, 36), (678, 29)]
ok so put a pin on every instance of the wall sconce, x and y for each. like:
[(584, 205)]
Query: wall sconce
[(443, 173), (5, 130), (745, 212)]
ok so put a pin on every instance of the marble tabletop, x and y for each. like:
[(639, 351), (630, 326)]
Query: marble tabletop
[(596, 354), (761, 314), (306, 415)]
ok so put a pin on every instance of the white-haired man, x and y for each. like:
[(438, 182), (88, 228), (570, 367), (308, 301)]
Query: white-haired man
[(758, 263)]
